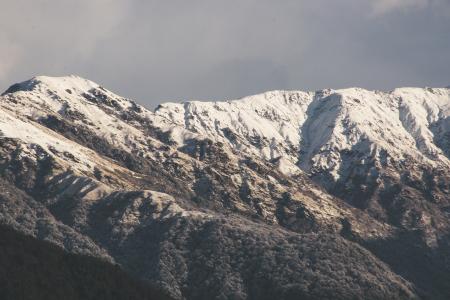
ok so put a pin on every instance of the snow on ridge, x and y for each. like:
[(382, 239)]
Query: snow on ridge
[(66, 82), (312, 129), (53, 83), (273, 115), (308, 130), (73, 99), (88, 108), (13, 126)]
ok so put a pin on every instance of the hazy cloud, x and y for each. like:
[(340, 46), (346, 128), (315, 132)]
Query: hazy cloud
[(9, 58), (51, 36), (383, 6), (440, 7), (207, 49)]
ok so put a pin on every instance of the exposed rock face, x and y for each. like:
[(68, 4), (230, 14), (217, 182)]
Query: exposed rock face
[(285, 195)]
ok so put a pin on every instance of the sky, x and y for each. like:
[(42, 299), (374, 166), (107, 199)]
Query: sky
[(177, 50)]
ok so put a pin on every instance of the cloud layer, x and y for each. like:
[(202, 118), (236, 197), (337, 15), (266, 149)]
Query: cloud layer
[(384, 6), (156, 51)]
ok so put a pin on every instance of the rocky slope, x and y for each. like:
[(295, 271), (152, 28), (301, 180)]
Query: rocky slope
[(286, 195)]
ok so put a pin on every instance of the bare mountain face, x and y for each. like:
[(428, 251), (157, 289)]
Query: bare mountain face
[(284, 195)]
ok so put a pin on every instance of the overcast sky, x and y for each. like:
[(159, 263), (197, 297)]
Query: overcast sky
[(155, 51)]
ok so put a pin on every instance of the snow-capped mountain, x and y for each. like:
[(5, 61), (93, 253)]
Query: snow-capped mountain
[(235, 190), (336, 136), (312, 130)]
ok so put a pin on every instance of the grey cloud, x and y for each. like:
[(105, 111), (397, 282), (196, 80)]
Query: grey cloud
[(383, 6), (156, 51), (242, 77), (46, 36), (380, 7)]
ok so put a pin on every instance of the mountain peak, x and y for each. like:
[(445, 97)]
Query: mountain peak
[(66, 92), (62, 83)]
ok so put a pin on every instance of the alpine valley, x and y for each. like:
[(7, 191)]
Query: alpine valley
[(334, 194)]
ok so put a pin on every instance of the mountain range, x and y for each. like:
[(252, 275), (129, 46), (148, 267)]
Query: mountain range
[(333, 194)]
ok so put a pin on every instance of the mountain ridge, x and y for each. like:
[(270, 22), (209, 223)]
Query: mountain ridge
[(350, 170)]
